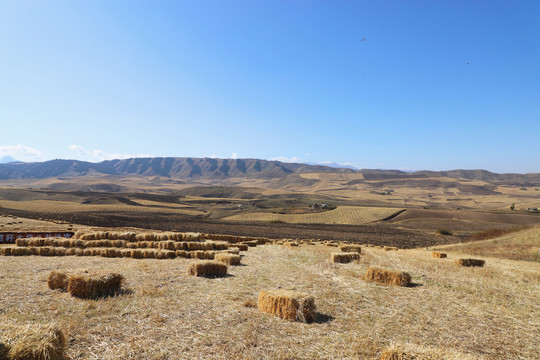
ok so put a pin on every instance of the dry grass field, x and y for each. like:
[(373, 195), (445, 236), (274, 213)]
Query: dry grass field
[(448, 312), (345, 215)]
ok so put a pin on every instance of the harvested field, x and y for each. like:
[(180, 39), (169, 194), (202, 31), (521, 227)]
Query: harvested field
[(489, 313), (345, 215)]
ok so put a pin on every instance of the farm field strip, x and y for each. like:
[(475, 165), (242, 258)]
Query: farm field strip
[(70, 207), (346, 215)]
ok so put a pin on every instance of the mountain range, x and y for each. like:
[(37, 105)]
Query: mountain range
[(219, 169)]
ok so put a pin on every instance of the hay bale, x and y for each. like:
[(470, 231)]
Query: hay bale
[(36, 242), (387, 277), (110, 252), (252, 243), (167, 245), (241, 247), (234, 251), (229, 259), (137, 254), (470, 262), (57, 280), (91, 287), (345, 257), (22, 242), (166, 254), (46, 251), (182, 254), (208, 269), (73, 252), (287, 305), (390, 248), (150, 253), (87, 252), (37, 342), (438, 255), (203, 255), (351, 248)]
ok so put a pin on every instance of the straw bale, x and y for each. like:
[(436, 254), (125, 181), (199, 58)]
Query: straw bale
[(37, 342), (288, 305), (46, 251), (196, 246), (191, 236), (77, 243), (221, 245), (345, 257), (251, 243), (390, 354), (90, 287), (438, 255), (200, 254), (166, 254), (181, 245), (390, 248), (48, 242), (57, 280), (87, 252), (331, 244), (470, 262), (125, 253), (5, 251), (59, 251), (73, 252), (167, 245), (208, 269), (36, 242), (229, 259), (119, 243), (182, 254), (241, 247), (137, 254), (234, 251), (110, 252), (351, 248), (22, 242), (387, 277), (150, 253), (96, 251), (291, 244)]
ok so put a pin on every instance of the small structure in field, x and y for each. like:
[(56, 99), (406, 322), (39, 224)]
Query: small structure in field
[(351, 248), (387, 277), (288, 305), (94, 286), (229, 259)]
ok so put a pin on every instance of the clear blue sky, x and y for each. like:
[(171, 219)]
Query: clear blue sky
[(379, 84)]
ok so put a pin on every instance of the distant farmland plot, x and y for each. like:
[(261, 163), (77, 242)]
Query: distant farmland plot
[(72, 207), (346, 215)]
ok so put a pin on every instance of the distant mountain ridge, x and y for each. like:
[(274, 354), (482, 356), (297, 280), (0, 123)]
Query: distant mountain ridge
[(220, 169)]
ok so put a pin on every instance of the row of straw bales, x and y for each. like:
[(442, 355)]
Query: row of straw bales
[(114, 252), (164, 236)]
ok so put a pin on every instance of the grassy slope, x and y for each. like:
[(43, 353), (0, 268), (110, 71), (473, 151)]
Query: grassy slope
[(523, 245), (450, 313)]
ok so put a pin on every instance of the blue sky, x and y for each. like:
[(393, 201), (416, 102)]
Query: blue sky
[(410, 84)]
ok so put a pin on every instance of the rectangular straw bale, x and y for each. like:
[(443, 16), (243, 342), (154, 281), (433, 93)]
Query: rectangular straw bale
[(150, 253), (125, 253), (182, 254), (166, 254), (470, 262), (229, 259), (234, 251), (119, 243), (191, 236), (251, 243), (22, 242), (137, 254), (167, 245), (438, 255), (91, 287), (5, 251), (345, 257), (241, 247), (180, 245), (37, 342), (208, 269), (110, 252), (351, 248), (36, 242), (291, 244), (221, 245), (96, 251), (57, 280), (59, 251), (390, 248), (73, 252), (287, 305), (77, 243), (200, 254), (387, 277), (192, 245), (87, 252), (49, 242), (46, 251)]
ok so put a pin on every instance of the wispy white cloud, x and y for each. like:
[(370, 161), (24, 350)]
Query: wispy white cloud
[(98, 155), (21, 152), (234, 156), (294, 159)]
